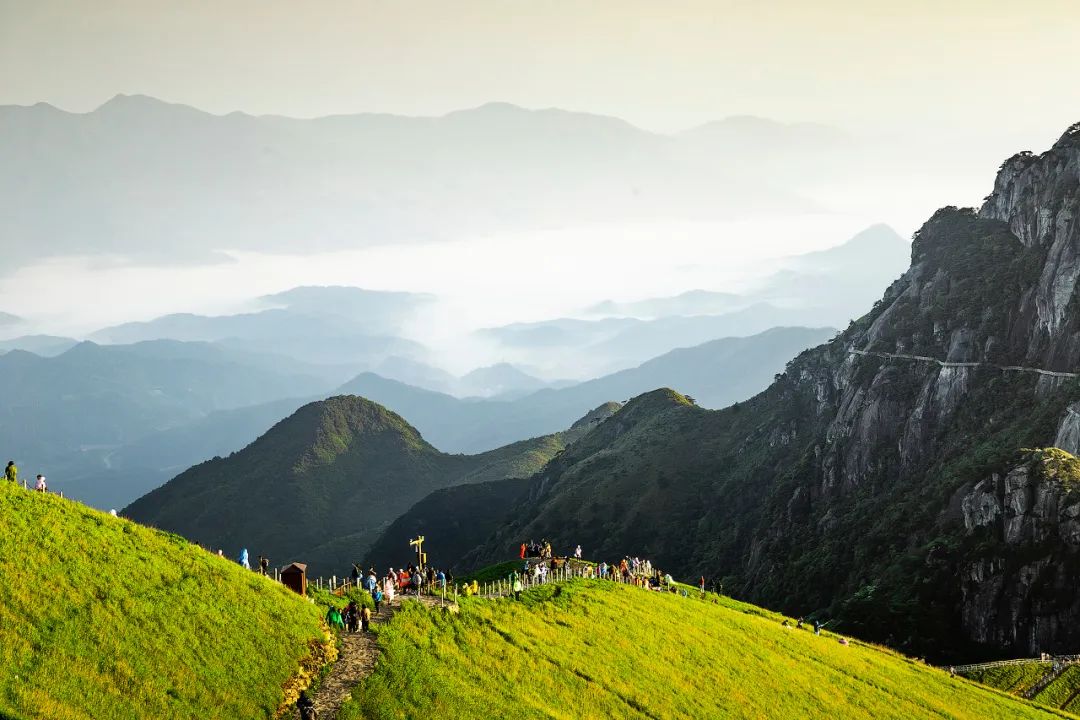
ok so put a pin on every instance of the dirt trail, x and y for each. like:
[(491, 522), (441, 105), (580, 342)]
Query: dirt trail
[(356, 661)]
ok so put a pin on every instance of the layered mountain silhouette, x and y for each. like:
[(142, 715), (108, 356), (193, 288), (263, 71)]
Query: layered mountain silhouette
[(716, 374), (324, 325), (67, 415), (900, 478), (129, 179), (43, 345), (321, 484), (819, 289)]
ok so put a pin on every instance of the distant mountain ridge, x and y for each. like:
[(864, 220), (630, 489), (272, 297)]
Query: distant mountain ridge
[(103, 182), (717, 373), (826, 288)]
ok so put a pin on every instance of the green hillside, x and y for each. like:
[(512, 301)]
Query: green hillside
[(102, 618), (1062, 692), (322, 484), (592, 649)]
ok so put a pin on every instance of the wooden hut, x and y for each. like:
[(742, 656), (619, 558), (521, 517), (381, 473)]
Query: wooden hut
[(294, 577)]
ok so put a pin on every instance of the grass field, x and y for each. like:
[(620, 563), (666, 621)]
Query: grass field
[(102, 618), (593, 649)]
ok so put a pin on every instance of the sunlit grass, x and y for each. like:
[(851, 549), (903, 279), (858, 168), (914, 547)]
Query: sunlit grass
[(597, 650), (102, 618)]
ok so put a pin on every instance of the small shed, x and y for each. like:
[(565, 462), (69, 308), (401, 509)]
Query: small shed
[(294, 577)]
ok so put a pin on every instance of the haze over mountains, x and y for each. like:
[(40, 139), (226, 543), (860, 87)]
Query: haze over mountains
[(144, 179), (314, 340)]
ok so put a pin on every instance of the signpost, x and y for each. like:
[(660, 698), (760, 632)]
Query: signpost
[(421, 556)]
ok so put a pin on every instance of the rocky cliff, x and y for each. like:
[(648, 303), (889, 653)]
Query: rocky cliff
[(884, 478)]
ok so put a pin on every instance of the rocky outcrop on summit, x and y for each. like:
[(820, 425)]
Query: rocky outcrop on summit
[(1039, 198)]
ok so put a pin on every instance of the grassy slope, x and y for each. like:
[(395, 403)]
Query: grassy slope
[(598, 650), (1013, 679), (102, 618), (1064, 692)]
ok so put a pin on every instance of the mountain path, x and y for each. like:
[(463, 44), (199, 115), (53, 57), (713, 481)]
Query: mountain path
[(946, 364), (356, 660)]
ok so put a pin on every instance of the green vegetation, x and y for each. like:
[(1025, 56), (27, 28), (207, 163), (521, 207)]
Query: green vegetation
[(102, 618), (1063, 692), (592, 649), (1013, 679), (320, 485)]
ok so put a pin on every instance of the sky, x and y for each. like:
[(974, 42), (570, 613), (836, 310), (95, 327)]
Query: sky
[(862, 64), (988, 77)]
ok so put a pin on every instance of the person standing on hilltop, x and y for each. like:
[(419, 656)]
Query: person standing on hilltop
[(522, 553), (577, 552), (243, 559), (41, 486), (11, 473)]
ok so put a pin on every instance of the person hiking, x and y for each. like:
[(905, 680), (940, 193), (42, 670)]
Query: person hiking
[(306, 707), (577, 552), (370, 582), (522, 553), (517, 586), (333, 618), (348, 617), (11, 472), (365, 618), (817, 627), (701, 584), (418, 582), (264, 565), (355, 574), (441, 579), (377, 598), (41, 485), (243, 559)]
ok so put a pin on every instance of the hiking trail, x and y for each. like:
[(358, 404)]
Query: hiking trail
[(356, 660), (947, 364)]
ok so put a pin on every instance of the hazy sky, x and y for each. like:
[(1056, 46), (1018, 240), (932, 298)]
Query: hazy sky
[(864, 64), (991, 75)]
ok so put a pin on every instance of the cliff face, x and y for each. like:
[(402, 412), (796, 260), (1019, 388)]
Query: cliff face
[(882, 479), (1021, 591), (930, 448)]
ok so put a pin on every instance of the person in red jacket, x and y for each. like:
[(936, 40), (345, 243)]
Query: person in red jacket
[(522, 555)]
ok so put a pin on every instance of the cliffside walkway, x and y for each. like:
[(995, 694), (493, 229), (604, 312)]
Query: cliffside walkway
[(946, 364)]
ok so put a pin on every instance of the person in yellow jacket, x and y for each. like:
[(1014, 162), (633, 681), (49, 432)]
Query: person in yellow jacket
[(11, 472)]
